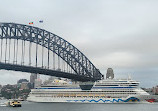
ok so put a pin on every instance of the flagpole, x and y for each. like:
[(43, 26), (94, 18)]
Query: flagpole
[(41, 22), (33, 24)]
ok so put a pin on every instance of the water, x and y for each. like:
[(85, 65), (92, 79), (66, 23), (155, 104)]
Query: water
[(30, 106)]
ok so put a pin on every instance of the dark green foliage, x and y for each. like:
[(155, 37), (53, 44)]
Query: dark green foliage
[(10, 92)]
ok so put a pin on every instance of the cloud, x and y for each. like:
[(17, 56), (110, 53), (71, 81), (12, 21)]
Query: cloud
[(119, 34)]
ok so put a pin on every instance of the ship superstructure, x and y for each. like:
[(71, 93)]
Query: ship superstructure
[(119, 87)]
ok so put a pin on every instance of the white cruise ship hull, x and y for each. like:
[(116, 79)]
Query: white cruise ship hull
[(77, 100), (129, 99)]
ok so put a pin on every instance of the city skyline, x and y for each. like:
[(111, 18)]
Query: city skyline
[(113, 34)]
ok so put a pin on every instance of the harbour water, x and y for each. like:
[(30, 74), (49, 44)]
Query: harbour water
[(31, 106)]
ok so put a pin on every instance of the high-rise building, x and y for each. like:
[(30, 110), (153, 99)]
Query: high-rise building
[(32, 79), (0, 88), (110, 73)]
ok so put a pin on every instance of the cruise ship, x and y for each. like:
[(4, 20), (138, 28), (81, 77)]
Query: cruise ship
[(103, 91)]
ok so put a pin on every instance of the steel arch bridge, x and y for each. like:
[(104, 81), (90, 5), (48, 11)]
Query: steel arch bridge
[(80, 64)]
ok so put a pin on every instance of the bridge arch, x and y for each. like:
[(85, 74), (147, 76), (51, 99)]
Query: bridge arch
[(69, 53)]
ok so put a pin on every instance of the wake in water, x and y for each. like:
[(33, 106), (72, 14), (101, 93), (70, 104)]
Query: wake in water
[(3, 104)]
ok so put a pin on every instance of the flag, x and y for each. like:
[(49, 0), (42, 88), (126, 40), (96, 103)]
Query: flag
[(41, 21), (30, 22)]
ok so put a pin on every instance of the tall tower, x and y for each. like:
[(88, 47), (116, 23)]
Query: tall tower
[(32, 79), (110, 73)]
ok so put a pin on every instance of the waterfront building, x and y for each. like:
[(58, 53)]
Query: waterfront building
[(21, 83), (155, 90), (24, 85), (38, 83)]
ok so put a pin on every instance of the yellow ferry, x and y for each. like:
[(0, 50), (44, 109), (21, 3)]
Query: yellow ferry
[(14, 103)]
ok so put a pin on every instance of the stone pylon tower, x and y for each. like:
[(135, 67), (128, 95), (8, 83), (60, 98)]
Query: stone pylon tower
[(110, 73)]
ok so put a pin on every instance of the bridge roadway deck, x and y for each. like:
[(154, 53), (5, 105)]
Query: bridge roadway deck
[(40, 70)]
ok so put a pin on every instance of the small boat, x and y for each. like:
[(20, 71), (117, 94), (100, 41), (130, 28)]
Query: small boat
[(14, 103), (20, 99)]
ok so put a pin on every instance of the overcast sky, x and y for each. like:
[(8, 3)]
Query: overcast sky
[(121, 34)]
